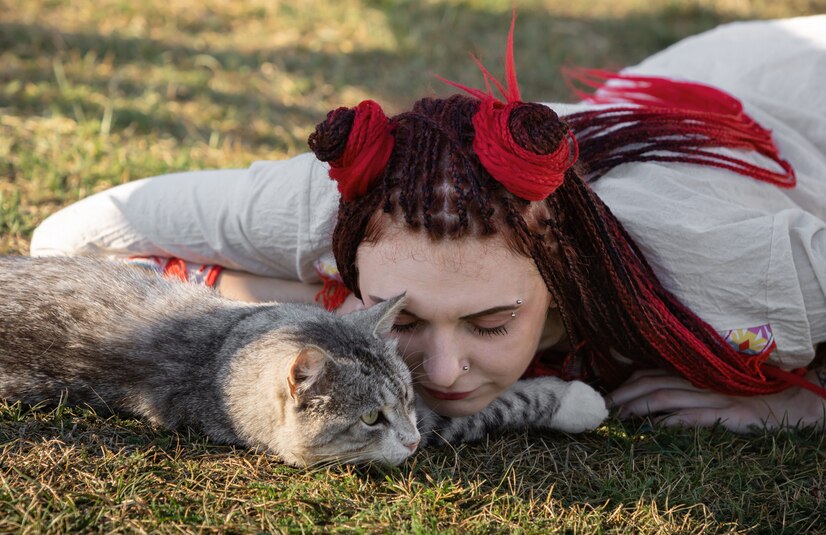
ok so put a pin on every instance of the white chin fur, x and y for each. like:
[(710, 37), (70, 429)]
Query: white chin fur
[(397, 458), (394, 452)]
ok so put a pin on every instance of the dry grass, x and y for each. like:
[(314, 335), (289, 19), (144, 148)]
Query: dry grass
[(68, 470), (95, 93)]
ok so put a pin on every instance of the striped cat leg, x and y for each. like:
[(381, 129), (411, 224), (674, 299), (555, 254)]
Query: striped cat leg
[(538, 403)]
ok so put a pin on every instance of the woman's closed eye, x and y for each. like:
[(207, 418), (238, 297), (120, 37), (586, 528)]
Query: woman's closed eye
[(405, 327), (490, 331), (410, 326)]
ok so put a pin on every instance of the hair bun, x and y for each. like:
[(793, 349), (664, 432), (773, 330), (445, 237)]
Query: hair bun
[(329, 140), (524, 146), (357, 143), (536, 127)]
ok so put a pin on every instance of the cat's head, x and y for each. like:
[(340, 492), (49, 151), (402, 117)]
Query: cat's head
[(347, 394)]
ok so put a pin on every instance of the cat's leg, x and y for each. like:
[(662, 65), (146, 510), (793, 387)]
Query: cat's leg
[(539, 403)]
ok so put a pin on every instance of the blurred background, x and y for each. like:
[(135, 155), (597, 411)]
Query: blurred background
[(98, 92)]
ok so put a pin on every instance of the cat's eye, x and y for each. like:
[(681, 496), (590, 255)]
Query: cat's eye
[(371, 418)]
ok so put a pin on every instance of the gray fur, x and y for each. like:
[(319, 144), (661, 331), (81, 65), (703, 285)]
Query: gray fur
[(119, 338)]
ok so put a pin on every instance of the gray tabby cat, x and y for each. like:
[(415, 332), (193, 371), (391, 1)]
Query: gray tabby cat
[(305, 384)]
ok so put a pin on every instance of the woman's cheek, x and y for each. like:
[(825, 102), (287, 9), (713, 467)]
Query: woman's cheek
[(492, 356)]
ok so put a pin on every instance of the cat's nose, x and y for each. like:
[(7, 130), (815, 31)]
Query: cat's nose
[(412, 445)]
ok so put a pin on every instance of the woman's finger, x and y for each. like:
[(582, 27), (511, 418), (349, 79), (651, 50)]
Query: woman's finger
[(648, 372), (700, 417), (671, 399), (645, 384)]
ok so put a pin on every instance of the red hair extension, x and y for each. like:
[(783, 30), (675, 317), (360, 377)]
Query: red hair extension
[(795, 377), (332, 294), (632, 312), (522, 171), (368, 148), (681, 119)]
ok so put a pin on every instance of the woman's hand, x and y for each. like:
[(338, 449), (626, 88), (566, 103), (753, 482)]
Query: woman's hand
[(673, 401)]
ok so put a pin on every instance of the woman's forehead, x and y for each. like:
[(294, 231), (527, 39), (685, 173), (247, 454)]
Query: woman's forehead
[(446, 269), (470, 254)]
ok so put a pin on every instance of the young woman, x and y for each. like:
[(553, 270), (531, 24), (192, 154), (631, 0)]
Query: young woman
[(680, 262)]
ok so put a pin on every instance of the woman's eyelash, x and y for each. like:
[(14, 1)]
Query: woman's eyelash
[(483, 331), (405, 328), (490, 331)]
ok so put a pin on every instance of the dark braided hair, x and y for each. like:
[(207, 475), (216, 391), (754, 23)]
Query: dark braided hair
[(607, 294)]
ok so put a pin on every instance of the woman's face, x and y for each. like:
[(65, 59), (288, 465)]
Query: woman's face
[(470, 304)]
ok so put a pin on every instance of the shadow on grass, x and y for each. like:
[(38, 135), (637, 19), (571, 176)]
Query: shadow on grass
[(705, 473)]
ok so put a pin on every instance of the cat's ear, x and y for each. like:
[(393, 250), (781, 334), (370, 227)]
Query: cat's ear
[(306, 369), (382, 315)]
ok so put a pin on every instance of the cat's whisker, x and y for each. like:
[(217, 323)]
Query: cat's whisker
[(365, 456), (416, 369), (417, 366), (407, 344), (48, 348)]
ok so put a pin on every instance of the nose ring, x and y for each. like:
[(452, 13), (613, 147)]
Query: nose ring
[(466, 367)]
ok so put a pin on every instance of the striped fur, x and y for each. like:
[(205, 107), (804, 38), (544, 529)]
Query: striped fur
[(538, 403)]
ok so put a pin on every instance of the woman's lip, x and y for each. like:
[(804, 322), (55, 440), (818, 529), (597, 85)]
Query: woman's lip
[(447, 396)]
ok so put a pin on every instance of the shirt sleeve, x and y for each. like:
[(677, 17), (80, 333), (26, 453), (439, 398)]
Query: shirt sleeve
[(273, 219)]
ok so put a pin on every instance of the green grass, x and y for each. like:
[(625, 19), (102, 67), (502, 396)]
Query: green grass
[(96, 93)]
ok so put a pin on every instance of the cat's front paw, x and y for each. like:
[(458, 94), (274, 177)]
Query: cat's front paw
[(581, 408)]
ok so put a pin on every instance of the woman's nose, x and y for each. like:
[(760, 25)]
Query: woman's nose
[(442, 363)]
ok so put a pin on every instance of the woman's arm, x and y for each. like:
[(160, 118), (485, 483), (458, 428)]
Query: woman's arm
[(673, 401), (255, 288), (273, 219)]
